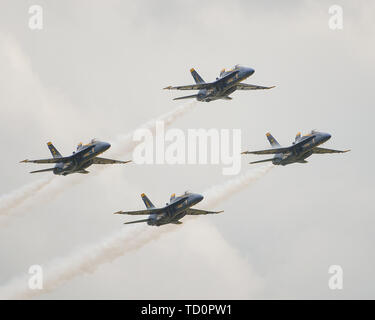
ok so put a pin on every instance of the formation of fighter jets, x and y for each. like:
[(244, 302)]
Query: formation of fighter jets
[(180, 206)]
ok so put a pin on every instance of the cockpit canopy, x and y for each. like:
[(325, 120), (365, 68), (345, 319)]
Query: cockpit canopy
[(236, 67), (81, 145)]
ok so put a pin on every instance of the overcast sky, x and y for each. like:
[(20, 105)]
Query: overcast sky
[(97, 69)]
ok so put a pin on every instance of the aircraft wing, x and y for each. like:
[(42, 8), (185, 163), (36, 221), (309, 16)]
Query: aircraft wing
[(98, 160), (245, 86), (269, 151), (140, 212), (194, 212), (197, 86), (324, 150), (52, 160)]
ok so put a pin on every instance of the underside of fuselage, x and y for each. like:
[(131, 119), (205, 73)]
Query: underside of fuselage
[(215, 94), (283, 161), (65, 169), (165, 218)]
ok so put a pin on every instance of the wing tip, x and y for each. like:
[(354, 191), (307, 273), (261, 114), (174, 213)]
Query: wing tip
[(166, 88), (24, 161), (118, 212)]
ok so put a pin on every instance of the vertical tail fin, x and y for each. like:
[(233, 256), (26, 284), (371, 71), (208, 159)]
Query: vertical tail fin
[(173, 196), (147, 201), (53, 150), (298, 137), (272, 140), (196, 76)]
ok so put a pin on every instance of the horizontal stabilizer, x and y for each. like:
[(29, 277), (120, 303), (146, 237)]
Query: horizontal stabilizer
[(137, 221), (43, 170), (187, 97), (259, 161)]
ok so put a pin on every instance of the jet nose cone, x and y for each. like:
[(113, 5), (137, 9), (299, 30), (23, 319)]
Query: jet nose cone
[(199, 197), (327, 136), (106, 145), (250, 71)]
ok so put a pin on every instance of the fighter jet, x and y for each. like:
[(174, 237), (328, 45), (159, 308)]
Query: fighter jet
[(173, 211), (82, 158), (302, 148), (227, 82)]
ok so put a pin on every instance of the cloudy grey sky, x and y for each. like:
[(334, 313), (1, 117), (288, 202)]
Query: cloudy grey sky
[(97, 69)]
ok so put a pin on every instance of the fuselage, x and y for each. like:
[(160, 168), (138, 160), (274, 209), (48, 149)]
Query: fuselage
[(175, 210), (222, 88), (303, 150), (81, 158)]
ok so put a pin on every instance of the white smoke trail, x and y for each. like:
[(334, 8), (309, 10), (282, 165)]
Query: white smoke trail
[(221, 192), (17, 197), (123, 145), (128, 239)]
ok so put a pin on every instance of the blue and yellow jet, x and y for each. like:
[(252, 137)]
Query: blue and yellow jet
[(172, 212), (79, 161), (302, 148), (227, 82)]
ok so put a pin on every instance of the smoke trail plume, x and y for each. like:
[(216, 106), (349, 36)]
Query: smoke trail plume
[(124, 144), (127, 239), (221, 192), (17, 197)]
